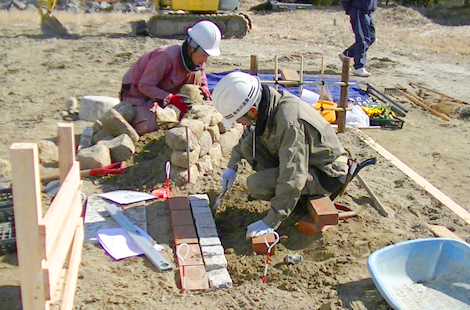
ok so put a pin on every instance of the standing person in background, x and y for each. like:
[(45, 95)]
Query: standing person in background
[(157, 77), (362, 22)]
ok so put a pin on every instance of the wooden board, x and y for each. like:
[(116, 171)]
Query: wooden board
[(290, 75), (431, 189), (443, 232)]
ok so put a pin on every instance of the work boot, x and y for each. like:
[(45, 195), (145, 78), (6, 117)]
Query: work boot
[(362, 72)]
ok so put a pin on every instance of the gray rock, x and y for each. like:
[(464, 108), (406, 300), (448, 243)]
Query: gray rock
[(94, 107), (5, 168), (196, 126), (205, 142), (48, 152), (120, 148), (96, 156), (116, 125), (176, 139)]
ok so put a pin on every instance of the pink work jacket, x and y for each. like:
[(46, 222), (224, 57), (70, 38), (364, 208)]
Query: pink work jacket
[(161, 72)]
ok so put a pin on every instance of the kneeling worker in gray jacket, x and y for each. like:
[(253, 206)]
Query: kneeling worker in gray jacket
[(292, 148)]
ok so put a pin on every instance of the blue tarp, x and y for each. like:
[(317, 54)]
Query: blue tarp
[(354, 92)]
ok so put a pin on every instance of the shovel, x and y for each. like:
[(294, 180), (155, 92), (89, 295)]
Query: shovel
[(215, 206), (50, 26)]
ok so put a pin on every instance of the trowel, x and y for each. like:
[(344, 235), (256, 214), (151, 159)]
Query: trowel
[(215, 206)]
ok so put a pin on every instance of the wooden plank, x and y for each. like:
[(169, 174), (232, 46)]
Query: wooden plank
[(66, 142), (290, 75), (377, 203), (28, 213), (431, 189), (59, 209), (74, 264), (443, 232), (149, 251), (343, 101), (62, 242), (424, 106)]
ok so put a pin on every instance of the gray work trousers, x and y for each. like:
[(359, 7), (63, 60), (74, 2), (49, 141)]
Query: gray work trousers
[(262, 184)]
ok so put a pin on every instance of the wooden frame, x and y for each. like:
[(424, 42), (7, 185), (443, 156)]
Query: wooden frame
[(46, 243), (342, 107)]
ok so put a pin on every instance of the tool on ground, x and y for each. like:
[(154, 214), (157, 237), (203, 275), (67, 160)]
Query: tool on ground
[(164, 193), (50, 26), (182, 257), (377, 203), (153, 255), (396, 107), (215, 206), (291, 259), (419, 102), (436, 92), (270, 247), (115, 168), (354, 169)]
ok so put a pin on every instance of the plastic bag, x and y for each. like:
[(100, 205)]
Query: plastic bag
[(357, 117)]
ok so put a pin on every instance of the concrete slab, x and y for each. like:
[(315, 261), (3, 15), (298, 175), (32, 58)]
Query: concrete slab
[(96, 217)]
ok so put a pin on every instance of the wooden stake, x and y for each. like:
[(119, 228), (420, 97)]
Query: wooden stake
[(254, 65), (301, 80), (343, 102), (276, 72)]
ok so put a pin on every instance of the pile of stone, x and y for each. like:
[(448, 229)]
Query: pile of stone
[(76, 6), (207, 141), (112, 139)]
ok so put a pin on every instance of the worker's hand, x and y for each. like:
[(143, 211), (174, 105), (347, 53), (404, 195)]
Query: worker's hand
[(182, 102), (206, 94), (257, 229), (228, 177)]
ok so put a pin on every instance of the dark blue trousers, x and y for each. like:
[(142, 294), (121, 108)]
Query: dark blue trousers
[(364, 30)]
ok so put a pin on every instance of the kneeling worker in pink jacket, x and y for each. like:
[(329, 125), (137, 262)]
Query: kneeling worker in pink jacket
[(157, 77)]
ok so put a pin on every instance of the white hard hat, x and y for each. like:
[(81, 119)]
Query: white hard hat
[(207, 35), (235, 94)]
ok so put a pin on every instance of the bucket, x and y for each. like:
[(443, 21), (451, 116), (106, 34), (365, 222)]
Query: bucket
[(326, 109)]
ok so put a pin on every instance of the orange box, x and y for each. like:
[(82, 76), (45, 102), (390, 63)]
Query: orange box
[(259, 247)]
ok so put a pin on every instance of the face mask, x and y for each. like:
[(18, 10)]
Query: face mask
[(186, 57)]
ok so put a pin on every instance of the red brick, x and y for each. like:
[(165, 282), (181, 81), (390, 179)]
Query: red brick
[(258, 245), (194, 256), (185, 234), (308, 228), (182, 218), (196, 278), (178, 203), (323, 212)]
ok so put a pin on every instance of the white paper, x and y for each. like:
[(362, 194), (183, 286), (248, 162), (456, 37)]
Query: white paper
[(126, 197), (118, 244), (309, 96)]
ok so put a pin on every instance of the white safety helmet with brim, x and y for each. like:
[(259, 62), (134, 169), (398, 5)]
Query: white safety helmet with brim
[(207, 35), (235, 94)]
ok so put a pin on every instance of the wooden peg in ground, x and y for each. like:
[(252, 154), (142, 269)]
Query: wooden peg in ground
[(377, 203)]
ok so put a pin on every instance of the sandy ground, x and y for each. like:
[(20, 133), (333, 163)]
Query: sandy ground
[(38, 75)]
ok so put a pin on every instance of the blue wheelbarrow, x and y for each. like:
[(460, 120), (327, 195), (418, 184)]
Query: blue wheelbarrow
[(423, 274)]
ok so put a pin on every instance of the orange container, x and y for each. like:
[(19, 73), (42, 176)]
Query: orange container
[(326, 109)]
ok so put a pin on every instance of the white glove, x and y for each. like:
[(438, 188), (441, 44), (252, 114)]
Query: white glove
[(228, 177), (257, 229)]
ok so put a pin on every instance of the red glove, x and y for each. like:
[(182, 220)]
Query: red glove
[(182, 102), (206, 94)]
